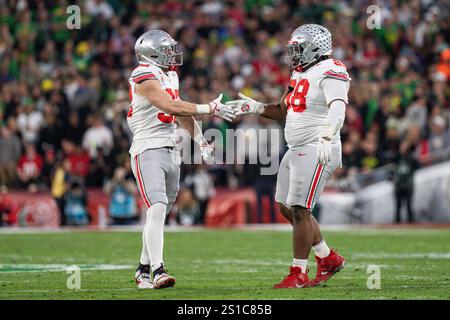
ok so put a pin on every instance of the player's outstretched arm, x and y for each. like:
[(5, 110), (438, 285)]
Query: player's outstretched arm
[(246, 105), (154, 93), (276, 111)]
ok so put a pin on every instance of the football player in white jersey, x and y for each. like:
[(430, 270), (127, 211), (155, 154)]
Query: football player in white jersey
[(154, 111), (314, 110)]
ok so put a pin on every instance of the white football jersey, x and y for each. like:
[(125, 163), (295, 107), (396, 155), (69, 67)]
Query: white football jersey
[(307, 108), (151, 127)]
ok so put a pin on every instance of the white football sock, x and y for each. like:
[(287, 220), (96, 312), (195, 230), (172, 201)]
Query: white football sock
[(154, 234), (321, 249), (145, 260), (300, 263)]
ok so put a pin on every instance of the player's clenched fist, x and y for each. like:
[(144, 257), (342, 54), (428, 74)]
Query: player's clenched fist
[(324, 150), (221, 110), (246, 105)]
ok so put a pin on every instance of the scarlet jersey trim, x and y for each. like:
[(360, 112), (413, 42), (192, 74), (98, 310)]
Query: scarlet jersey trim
[(314, 183), (337, 75), (143, 76), (141, 182)]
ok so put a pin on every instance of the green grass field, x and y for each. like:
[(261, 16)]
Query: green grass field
[(223, 264)]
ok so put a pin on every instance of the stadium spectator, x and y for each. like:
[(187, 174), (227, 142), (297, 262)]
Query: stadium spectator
[(60, 181), (8, 208), (439, 137), (202, 184), (390, 146), (96, 137), (29, 121), (10, 149), (443, 67), (29, 168), (47, 169), (74, 128), (99, 8), (79, 162), (51, 133), (186, 208), (100, 169)]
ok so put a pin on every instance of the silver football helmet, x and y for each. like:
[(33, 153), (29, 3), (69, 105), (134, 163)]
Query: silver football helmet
[(307, 44), (158, 47)]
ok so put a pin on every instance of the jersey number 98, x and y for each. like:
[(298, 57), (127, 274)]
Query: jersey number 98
[(296, 99)]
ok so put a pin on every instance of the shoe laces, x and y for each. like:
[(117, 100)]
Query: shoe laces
[(160, 271)]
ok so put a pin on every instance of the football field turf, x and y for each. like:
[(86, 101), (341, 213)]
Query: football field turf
[(223, 264)]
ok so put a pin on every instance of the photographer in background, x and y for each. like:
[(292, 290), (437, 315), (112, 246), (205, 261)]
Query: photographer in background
[(75, 207), (122, 203), (404, 181)]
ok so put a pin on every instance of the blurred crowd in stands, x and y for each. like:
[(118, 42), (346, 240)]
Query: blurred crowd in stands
[(64, 93)]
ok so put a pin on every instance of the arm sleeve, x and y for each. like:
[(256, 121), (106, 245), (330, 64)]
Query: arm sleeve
[(335, 92), (336, 115), (335, 89)]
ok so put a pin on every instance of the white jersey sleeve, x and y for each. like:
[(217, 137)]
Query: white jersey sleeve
[(307, 103), (335, 83), (334, 89), (150, 126)]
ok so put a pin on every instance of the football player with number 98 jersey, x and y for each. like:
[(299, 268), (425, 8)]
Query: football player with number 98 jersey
[(314, 110)]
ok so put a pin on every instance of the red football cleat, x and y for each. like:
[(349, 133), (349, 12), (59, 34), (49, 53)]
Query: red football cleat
[(295, 279), (327, 267)]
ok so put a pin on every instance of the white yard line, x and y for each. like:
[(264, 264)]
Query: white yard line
[(403, 256), (374, 229), (18, 268)]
